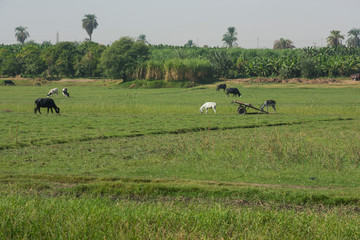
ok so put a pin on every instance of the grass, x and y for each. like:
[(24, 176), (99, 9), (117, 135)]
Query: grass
[(144, 163), (167, 220)]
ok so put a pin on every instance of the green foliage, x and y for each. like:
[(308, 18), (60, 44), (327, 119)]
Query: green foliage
[(8, 64), (21, 34), (221, 63), (66, 57), (89, 23), (230, 37), (307, 66), (335, 39), (87, 65), (30, 61), (130, 60), (353, 40), (283, 44), (121, 59), (193, 70)]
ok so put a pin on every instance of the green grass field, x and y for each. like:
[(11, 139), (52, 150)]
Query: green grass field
[(145, 164)]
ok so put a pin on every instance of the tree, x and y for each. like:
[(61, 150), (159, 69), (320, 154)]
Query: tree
[(229, 38), (8, 64), (30, 61), (87, 63), (283, 44), (89, 23), (120, 60), (60, 58), (21, 34), (190, 43), (354, 40), (142, 38), (221, 63), (334, 40)]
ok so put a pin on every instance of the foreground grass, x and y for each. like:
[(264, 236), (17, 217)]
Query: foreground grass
[(132, 163), (53, 218)]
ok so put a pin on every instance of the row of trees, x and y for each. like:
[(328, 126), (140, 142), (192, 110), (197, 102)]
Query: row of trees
[(130, 59), (89, 23), (334, 40)]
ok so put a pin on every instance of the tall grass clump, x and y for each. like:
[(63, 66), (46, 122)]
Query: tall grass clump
[(66, 218), (155, 70), (193, 70)]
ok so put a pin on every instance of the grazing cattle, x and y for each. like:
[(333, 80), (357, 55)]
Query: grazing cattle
[(233, 91), (9, 82), (46, 103), (355, 77), (65, 92), (268, 103), (221, 86), (208, 105), (52, 92)]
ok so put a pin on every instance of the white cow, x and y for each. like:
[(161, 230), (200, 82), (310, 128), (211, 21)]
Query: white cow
[(53, 91), (65, 92), (208, 105)]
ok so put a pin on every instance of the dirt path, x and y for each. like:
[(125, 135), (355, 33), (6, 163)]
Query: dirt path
[(292, 80), (78, 80)]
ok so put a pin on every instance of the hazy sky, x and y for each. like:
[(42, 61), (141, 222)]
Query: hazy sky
[(258, 22)]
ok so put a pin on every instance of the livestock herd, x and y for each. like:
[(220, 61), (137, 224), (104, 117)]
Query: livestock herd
[(48, 102), (234, 92)]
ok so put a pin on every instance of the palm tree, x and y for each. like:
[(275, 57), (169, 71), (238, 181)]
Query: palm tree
[(89, 23), (142, 38), (229, 38), (190, 43), (354, 40), (21, 34), (334, 40), (283, 44)]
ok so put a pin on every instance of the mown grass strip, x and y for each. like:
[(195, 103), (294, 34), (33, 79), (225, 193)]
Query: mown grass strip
[(157, 132), (150, 189)]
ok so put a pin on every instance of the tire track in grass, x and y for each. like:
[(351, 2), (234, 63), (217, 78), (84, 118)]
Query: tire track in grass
[(176, 131)]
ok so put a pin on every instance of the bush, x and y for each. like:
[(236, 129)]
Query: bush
[(307, 67), (123, 57), (193, 70)]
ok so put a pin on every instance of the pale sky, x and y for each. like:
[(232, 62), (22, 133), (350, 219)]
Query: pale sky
[(258, 22)]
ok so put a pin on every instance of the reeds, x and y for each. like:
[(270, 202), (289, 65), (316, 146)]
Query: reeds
[(193, 70)]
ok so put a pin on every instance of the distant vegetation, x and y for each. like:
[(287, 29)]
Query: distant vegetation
[(128, 59)]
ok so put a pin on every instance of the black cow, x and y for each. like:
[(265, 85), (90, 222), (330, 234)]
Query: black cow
[(355, 76), (233, 91), (221, 86), (46, 103), (9, 82)]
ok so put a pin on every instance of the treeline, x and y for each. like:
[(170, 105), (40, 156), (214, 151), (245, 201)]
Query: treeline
[(128, 59)]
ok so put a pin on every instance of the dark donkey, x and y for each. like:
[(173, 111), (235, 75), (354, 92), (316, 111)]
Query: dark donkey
[(221, 86), (46, 103), (233, 91), (9, 82)]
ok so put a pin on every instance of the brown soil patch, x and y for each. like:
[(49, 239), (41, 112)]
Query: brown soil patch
[(77, 80), (292, 80)]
